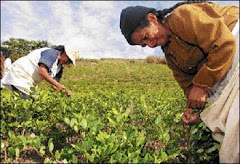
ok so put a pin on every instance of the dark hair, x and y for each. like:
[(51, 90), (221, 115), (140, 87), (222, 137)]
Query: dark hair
[(60, 48), (2, 65), (5, 52), (162, 13)]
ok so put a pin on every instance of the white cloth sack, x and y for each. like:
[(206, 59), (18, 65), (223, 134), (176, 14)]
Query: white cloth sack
[(7, 66), (222, 117)]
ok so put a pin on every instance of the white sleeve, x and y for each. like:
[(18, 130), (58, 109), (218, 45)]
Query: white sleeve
[(7, 64)]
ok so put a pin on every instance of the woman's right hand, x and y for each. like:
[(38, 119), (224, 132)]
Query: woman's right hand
[(197, 98), (59, 87)]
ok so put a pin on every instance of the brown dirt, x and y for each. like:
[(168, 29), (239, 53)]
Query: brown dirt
[(29, 155)]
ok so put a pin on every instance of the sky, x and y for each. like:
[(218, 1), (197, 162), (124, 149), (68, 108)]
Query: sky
[(92, 27)]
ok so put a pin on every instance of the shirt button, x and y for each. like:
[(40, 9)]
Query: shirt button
[(189, 67)]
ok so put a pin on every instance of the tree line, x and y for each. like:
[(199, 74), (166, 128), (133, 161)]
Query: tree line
[(18, 47)]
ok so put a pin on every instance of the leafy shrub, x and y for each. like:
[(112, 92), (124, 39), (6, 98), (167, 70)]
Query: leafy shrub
[(117, 113), (20, 47)]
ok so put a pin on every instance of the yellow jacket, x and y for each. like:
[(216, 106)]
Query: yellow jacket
[(202, 46)]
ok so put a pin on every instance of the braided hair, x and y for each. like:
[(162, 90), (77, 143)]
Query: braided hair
[(160, 14), (2, 65)]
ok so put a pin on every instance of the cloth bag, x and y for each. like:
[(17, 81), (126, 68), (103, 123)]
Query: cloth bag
[(222, 117)]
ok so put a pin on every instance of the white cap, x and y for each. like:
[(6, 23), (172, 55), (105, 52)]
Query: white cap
[(72, 53)]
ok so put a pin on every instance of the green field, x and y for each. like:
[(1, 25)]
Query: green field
[(120, 111)]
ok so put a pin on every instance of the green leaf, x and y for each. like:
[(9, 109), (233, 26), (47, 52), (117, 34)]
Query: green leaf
[(90, 157), (57, 154), (108, 148), (111, 121), (74, 159), (158, 120), (47, 160), (23, 139), (112, 138), (12, 152), (99, 150), (84, 123), (73, 121), (36, 143), (102, 136), (42, 150), (17, 152), (2, 145), (115, 112), (50, 145), (200, 150), (136, 160), (75, 128), (89, 144), (11, 134), (66, 120), (77, 146), (147, 157), (164, 156), (211, 149), (27, 123), (83, 146), (141, 140), (65, 161), (117, 156), (114, 149), (166, 137), (178, 117), (127, 112), (194, 131)]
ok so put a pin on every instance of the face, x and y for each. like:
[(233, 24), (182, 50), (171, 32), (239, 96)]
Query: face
[(64, 59), (154, 34)]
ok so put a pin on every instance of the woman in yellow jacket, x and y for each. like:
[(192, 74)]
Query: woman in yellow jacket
[(198, 44)]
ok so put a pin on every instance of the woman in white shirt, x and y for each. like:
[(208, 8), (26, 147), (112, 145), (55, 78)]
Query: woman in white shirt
[(44, 63)]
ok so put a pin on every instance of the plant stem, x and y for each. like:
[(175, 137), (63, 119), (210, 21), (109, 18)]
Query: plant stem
[(189, 155)]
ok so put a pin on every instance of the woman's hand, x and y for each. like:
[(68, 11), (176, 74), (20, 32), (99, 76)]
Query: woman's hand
[(197, 98), (68, 92), (44, 73), (190, 117), (60, 87)]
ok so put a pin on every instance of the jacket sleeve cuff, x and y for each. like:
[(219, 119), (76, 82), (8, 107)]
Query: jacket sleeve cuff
[(203, 86)]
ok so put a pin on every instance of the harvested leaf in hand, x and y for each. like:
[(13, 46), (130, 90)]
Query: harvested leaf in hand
[(190, 117), (69, 93)]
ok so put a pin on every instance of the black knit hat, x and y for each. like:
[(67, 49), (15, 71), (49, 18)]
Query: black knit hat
[(130, 18)]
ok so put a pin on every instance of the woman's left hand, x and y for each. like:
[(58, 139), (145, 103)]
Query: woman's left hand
[(197, 98), (190, 117), (69, 93)]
